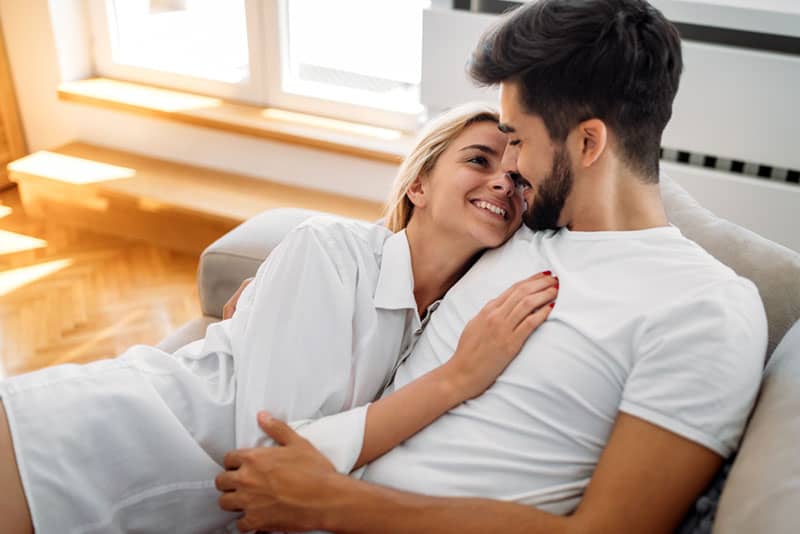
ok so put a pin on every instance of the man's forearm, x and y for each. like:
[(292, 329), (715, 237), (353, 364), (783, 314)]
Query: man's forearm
[(357, 507)]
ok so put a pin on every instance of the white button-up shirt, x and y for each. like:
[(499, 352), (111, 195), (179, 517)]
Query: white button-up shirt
[(322, 328)]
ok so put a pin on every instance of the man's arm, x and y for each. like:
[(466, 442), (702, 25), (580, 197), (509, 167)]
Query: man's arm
[(645, 481)]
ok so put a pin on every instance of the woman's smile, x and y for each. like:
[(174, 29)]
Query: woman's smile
[(494, 208)]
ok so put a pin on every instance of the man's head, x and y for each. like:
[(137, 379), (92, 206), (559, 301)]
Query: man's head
[(604, 69)]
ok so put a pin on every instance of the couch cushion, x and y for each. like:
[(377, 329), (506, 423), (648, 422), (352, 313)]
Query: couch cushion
[(774, 269), (763, 489), (237, 255)]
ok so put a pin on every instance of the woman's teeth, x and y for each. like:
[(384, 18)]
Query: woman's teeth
[(491, 207)]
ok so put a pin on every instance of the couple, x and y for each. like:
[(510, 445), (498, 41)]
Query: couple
[(613, 416)]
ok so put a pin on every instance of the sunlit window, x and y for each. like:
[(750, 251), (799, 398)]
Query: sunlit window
[(359, 51), (199, 38), (346, 59)]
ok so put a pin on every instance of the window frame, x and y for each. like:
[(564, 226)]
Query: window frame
[(268, 54)]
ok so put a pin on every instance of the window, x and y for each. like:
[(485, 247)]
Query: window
[(352, 59), (195, 45), (377, 62)]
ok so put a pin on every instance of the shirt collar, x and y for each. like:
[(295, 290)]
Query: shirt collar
[(395, 289)]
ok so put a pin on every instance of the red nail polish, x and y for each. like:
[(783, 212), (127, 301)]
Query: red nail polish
[(546, 273), (552, 304), (556, 286)]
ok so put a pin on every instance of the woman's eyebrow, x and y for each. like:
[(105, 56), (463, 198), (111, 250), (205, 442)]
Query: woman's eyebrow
[(482, 148)]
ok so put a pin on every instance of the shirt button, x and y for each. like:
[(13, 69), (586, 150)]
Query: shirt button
[(418, 331)]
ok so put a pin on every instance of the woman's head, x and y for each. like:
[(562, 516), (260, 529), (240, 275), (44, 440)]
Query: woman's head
[(454, 176)]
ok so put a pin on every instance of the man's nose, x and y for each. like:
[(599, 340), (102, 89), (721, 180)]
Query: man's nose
[(509, 160)]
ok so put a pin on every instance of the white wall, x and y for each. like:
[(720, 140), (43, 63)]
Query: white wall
[(31, 35), (35, 69)]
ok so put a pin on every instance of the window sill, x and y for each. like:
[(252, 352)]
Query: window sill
[(354, 139)]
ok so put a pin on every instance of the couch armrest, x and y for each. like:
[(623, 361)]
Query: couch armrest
[(237, 255), (763, 489)]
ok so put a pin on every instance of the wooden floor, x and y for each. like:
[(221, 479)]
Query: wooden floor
[(70, 295)]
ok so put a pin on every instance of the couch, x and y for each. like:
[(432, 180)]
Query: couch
[(762, 491)]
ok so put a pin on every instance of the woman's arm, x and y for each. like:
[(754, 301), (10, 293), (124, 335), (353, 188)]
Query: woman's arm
[(488, 344)]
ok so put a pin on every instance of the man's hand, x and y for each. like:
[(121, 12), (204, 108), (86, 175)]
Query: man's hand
[(276, 488), (230, 306)]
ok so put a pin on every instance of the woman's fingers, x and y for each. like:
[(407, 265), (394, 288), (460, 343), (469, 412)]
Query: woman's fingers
[(502, 301), (523, 291), (530, 302), (530, 323)]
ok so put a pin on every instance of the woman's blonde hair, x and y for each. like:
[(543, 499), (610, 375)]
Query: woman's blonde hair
[(432, 140)]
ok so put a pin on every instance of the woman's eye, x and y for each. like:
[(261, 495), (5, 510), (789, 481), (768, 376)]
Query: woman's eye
[(480, 160), (513, 142)]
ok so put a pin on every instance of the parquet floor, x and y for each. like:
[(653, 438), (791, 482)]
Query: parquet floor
[(70, 295)]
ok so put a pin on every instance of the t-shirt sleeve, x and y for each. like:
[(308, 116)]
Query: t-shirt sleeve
[(293, 336), (339, 437), (698, 365)]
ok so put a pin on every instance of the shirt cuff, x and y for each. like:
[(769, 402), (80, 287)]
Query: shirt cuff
[(339, 437)]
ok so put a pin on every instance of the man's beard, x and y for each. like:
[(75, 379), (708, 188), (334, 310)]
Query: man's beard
[(551, 194)]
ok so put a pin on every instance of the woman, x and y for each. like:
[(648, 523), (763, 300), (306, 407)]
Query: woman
[(319, 332)]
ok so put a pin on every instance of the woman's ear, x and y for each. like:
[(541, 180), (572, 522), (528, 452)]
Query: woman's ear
[(416, 192), (593, 139)]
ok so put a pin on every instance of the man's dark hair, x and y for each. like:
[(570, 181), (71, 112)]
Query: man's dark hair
[(615, 60)]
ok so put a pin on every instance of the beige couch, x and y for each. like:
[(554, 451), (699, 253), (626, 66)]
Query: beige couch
[(762, 494)]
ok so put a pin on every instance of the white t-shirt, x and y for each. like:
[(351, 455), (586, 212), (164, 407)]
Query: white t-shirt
[(321, 328), (646, 322)]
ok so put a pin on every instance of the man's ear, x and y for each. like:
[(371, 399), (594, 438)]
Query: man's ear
[(592, 138), (416, 192)]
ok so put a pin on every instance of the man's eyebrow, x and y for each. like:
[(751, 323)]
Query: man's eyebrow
[(482, 148), (505, 128)]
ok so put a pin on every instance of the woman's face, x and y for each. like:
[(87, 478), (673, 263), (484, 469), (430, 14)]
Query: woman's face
[(468, 194)]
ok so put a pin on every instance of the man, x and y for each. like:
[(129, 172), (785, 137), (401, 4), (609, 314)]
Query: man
[(620, 408)]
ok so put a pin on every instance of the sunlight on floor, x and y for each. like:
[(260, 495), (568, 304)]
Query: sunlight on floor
[(98, 337), (68, 168), (17, 278), (11, 242)]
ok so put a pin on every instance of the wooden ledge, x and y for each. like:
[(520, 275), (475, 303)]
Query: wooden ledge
[(354, 139), (179, 206)]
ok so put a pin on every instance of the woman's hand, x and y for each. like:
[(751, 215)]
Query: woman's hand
[(495, 336), (488, 343), (230, 306)]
